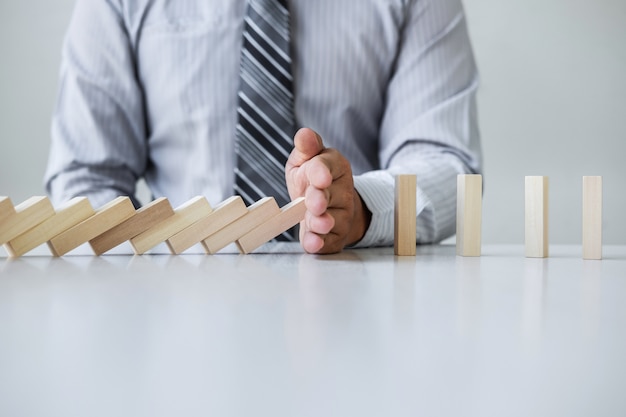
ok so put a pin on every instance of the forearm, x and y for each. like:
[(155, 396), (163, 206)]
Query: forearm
[(429, 127), (100, 184), (98, 146)]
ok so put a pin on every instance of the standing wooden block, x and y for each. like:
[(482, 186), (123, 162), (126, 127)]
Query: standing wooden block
[(183, 217), (289, 216), (469, 193), (592, 217), (225, 213), (146, 217), (106, 217), (536, 213), (258, 213), (27, 215), (70, 214), (404, 242)]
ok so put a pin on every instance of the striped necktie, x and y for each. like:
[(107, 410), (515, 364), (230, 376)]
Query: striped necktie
[(265, 123)]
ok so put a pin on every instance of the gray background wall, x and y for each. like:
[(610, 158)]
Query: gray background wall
[(552, 102)]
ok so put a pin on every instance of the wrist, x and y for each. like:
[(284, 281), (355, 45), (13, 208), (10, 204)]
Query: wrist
[(360, 220)]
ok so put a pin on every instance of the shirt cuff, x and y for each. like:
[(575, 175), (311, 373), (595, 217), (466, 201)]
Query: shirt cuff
[(377, 192)]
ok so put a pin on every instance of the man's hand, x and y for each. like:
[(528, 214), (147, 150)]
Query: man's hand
[(335, 214)]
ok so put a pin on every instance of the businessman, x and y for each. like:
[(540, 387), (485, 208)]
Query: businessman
[(327, 99)]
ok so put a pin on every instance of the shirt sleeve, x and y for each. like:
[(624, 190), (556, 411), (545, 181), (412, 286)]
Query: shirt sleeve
[(98, 146), (429, 126)]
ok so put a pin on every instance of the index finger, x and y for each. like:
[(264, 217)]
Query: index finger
[(327, 167), (318, 172)]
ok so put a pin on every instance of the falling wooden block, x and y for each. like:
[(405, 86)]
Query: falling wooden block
[(536, 213), (257, 214), (6, 209), (146, 217), (592, 217), (105, 218), (225, 213), (289, 216), (183, 217), (469, 193), (72, 213), (404, 220), (27, 215)]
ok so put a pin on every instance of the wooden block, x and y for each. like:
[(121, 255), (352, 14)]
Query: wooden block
[(70, 214), (592, 217), (146, 217), (536, 213), (258, 213), (404, 242), (27, 215), (225, 213), (105, 218), (6, 209), (469, 197), (183, 217), (289, 216)]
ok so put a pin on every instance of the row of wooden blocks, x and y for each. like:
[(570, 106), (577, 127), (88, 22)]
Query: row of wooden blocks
[(35, 221), (469, 216)]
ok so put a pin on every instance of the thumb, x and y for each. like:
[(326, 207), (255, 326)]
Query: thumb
[(307, 144)]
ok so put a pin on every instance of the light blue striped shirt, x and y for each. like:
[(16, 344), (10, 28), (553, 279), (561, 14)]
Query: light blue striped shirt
[(148, 88)]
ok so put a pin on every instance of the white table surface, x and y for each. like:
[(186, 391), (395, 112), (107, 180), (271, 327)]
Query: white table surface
[(362, 333)]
